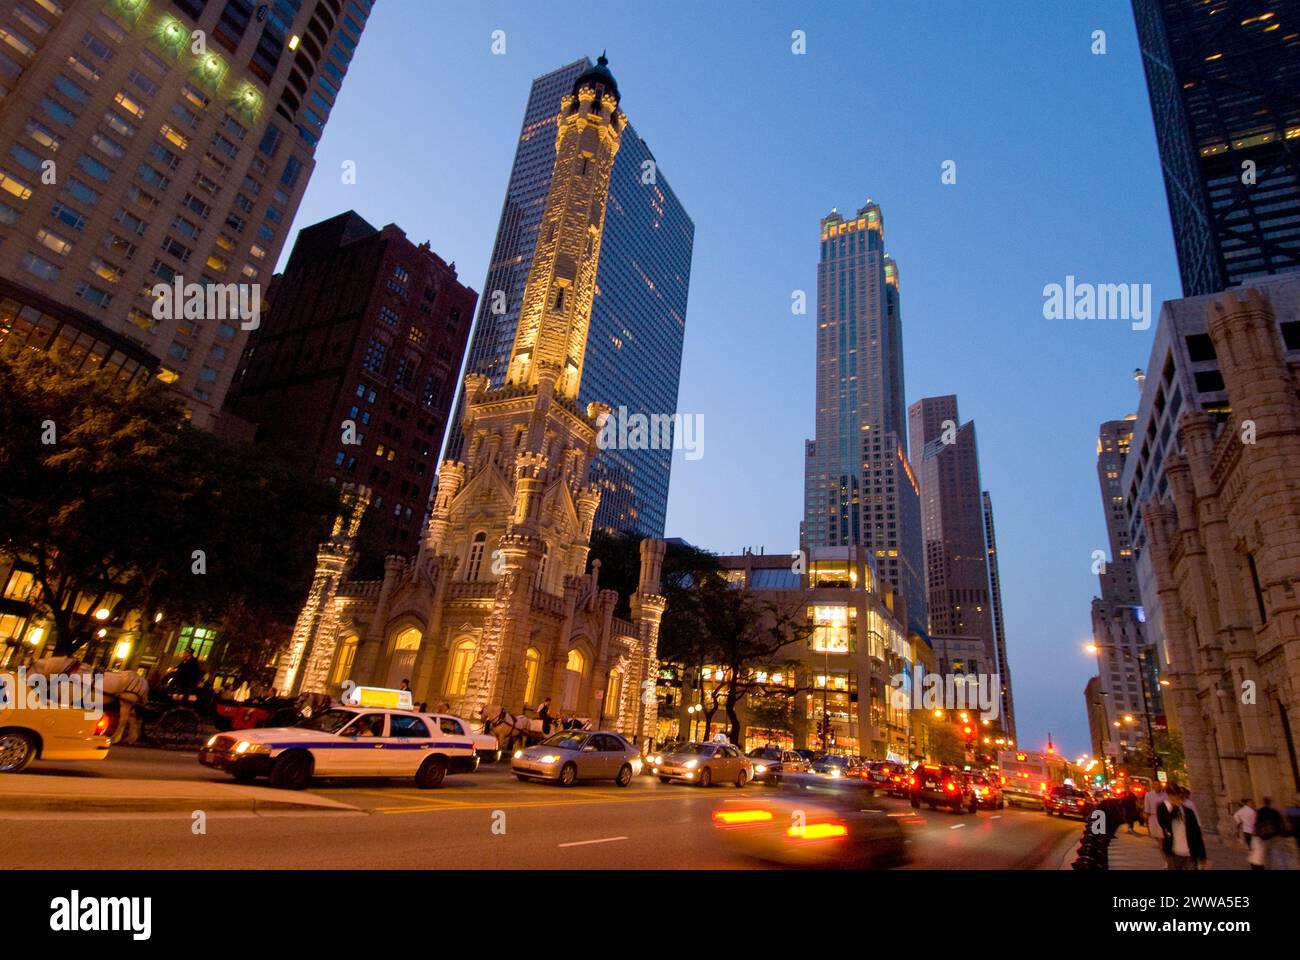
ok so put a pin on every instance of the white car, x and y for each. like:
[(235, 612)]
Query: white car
[(343, 742), (489, 750)]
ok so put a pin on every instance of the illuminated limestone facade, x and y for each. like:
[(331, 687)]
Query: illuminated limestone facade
[(1226, 555), (497, 608)]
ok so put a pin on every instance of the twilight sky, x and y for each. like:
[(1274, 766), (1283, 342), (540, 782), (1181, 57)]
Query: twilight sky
[(1057, 174)]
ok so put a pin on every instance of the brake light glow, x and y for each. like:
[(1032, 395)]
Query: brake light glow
[(818, 831), (731, 818), (950, 786), (102, 725)]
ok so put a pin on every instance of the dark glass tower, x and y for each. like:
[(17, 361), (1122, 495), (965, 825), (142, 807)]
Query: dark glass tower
[(1224, 80), (859, 488), (638, 317)]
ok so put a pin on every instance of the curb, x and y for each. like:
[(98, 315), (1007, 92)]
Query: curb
[(71, 803)]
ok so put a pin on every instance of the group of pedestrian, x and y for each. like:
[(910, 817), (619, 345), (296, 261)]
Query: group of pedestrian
[(1260, 828), (571, 722)]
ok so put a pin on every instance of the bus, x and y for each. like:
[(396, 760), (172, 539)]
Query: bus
[(1028, 775)]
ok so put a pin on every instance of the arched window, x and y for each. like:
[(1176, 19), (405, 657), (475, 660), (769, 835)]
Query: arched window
[(575, 671), (532, 665), (347, 655), (613, 693), (475, 563), (462, 659)]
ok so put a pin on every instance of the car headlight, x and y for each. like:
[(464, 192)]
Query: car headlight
[(760, 769), (212, 740), (550, 758), (692, 764), (245, 747), (518, 754)]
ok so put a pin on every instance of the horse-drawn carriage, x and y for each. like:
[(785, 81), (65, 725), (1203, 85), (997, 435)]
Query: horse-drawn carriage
[(518, 731)]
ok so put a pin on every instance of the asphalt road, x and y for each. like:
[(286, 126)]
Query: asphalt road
[(487, 820)]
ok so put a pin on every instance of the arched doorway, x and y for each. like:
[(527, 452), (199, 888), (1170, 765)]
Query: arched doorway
[(575, 672), (408, 645)]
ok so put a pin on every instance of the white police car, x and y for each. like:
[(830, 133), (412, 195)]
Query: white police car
[(359, 739)]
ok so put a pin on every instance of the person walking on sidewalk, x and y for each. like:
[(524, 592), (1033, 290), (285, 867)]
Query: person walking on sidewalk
[(1269, 826), (1151, 804), (1245, 820), (1129, 807), (1183, 843)]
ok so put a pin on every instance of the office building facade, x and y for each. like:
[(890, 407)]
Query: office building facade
[(149, 143), (354, 368), (638, 318), (999, 624), (859, 488), (1224, 83)]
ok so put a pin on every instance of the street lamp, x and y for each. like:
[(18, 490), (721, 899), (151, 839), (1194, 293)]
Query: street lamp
[(1146, 702)]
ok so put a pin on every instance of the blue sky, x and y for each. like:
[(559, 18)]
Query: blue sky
[(1057, 174)]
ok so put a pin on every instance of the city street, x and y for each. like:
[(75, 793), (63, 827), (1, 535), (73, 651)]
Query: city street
[(648, 825)]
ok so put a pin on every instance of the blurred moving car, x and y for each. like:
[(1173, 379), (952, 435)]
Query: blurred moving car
[(1068, 801), (771, 762), (941, 786), (821, 823), (988, 791), (572, 755), (705, 764)]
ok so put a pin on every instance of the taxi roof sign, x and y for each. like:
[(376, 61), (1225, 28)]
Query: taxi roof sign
[(379, 697)]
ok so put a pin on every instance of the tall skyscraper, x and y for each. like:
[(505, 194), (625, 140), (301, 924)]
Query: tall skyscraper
[(1224, 81), (638, 317), (859, 489), (999, 628), (354, 367), (150, 142)]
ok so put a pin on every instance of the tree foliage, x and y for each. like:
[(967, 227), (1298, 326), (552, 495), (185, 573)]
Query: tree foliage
[(113, 497)]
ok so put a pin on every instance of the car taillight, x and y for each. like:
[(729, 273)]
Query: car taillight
[(950, 787), (102, 725), (911, 781), (734, 818)]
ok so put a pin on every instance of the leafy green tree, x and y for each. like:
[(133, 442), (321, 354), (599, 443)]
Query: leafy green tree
[(116, 500)]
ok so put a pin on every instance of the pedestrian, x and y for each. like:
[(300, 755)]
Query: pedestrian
[(1151, 804), (1269, 826), (1245, 820), (1293, 825), (544, 715), (406, 685), (1129, 807), (1183, 843), (188, 673)]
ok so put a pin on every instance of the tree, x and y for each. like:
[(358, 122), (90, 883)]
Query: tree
[(116, 501), (946, 746)]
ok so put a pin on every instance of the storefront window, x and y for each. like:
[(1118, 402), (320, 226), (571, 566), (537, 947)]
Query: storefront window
[(831, 633)]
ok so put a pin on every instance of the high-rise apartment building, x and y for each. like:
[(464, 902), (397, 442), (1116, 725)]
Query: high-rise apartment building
[(638, 317), (1224, 81), (1118, 573), (999, 625), (354, 367), (148, 143), (859, 489)]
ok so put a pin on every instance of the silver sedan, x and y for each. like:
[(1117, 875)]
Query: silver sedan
[(572, 755)]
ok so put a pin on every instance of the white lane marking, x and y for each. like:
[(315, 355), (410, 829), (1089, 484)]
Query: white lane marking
[(583, 843), (957, 826), (996, 816)]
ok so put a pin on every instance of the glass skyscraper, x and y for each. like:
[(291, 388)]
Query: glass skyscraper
[(638, 317), (1224, 80), (859, 488)]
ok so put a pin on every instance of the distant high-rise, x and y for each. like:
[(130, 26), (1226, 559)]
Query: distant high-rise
[(1224, 81), (1119, 575), (859, 489), (638, 318), (355, 365), (999, 628), (149, 141)]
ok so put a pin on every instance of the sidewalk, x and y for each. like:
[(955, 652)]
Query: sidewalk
[(29, 793), (1140, 852)]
